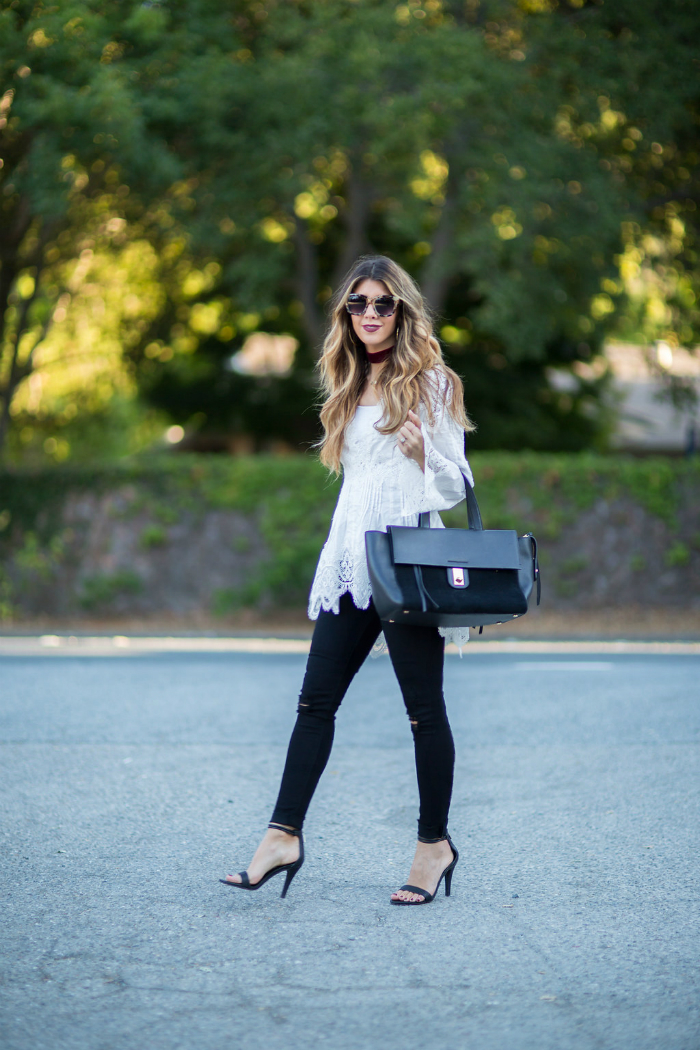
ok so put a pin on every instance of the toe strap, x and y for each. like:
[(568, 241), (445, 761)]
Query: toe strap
[(415, 889), (245, 881)]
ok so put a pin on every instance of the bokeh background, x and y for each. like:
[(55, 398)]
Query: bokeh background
[(182, 185)]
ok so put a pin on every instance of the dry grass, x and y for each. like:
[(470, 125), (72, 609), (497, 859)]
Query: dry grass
[(625, 622)]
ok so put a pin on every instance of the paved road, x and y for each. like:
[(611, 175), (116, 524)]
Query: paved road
[(130, 783)]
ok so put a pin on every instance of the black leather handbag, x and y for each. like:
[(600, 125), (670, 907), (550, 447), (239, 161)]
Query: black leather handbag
[(452, 577)]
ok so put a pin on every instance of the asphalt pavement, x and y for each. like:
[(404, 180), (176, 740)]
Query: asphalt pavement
[(130, 783)]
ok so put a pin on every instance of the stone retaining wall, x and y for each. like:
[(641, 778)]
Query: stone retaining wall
[(217, 536)]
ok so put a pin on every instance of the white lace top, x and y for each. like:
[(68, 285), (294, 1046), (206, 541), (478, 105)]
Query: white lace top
[(383, 487)]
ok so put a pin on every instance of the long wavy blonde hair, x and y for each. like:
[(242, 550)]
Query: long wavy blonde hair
[(405, 380)]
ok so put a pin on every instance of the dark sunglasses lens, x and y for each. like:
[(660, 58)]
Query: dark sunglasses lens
[(356, 304), (384, 306)]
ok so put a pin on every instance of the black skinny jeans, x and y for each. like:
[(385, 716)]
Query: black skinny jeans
[(339, 647)]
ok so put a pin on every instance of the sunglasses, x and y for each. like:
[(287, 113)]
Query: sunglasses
[(384, 305)]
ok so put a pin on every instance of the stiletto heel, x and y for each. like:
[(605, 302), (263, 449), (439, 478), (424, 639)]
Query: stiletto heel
[(446, 875), (288, 881), (290, 869)]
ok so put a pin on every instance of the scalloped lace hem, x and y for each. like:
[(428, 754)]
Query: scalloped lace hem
[(458, 636), (330, 602)]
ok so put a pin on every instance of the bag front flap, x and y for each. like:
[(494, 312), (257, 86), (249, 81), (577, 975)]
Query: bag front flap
[(467, 548)]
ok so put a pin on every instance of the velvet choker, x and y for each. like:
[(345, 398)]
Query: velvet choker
[(379, 356)]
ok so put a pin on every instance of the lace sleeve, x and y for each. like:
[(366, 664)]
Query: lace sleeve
[(444, 454)]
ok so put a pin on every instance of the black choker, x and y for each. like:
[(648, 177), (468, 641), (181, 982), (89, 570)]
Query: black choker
[(379, 356)]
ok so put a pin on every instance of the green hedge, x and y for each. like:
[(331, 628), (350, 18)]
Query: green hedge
[(292, 499)]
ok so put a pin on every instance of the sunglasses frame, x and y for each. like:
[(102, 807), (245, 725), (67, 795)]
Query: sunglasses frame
[(372, 299)]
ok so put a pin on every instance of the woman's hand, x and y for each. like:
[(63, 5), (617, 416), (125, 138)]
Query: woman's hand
[(411, 440)]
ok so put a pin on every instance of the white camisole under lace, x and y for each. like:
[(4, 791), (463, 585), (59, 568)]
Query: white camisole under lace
[(382, 487)]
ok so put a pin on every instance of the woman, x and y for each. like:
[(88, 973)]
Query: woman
[(394, 420)]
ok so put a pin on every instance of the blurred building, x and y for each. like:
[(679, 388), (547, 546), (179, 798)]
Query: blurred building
[(647, 419), (263, 354), (655, 395)]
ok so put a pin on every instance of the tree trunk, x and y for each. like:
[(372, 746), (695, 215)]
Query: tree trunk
[(307, 283), (19, 372), (13, 380), (439, 271), (440, 265), (8, 274), (355, 216), (10, 247)]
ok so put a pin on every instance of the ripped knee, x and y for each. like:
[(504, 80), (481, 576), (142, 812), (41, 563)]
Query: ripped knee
[(315, 710), (426, 724)]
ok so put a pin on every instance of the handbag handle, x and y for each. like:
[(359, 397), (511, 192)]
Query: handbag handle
[(473, 512)]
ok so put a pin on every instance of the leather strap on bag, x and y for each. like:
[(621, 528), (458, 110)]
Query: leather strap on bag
[(535, 565), (473, 512), (425, 597)]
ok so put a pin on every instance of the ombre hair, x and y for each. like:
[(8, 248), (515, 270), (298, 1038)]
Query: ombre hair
[(414, 373)]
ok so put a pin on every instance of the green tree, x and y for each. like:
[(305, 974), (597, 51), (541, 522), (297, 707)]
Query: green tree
[(473, 142), (74, 150), (635, 101), (345, 127), (521, 157)]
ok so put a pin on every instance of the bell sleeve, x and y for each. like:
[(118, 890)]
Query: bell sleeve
[(441, 485), (445, 462)]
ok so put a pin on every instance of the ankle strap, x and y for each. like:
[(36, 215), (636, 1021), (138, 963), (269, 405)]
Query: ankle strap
[(281, 827), (431, 842)]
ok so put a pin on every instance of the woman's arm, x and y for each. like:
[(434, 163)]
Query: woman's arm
[(438, 451)]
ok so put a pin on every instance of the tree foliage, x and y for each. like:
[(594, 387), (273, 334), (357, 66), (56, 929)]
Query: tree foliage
[(532, 162), (73, 146)]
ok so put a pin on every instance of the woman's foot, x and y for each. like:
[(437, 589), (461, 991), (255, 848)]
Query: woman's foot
[(430, 861), (277, 847)]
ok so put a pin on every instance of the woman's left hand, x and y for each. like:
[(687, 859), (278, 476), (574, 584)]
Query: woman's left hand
[(411, 440)]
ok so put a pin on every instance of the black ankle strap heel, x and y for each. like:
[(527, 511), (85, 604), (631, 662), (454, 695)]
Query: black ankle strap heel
[(290, 870), (280, 827), (446, 875)]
